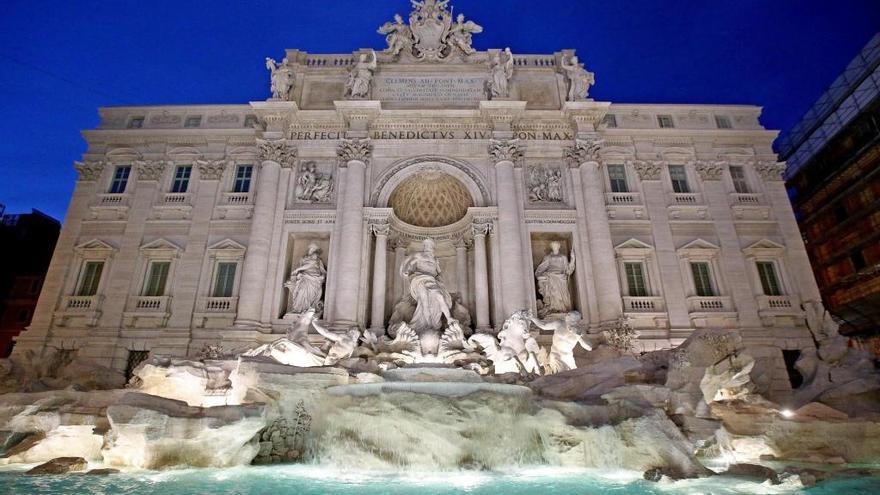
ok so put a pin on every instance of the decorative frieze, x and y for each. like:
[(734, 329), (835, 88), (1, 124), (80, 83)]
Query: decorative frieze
[(506, 150), (149, 169), (278, 151), (709, 170), (211, 169), (89, 171), (770, 170), (648, 170), (354, 149)]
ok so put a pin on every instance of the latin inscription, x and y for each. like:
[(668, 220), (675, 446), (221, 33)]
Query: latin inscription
[(435, 91)]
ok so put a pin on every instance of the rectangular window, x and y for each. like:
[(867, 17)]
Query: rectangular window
[(739, 179), (89, 278), (157, 277), (193, 121), (679, 179), (181, 179), (610, 120), (136, 123), (617, 177), (243, 178), (769, 282), (635, 280), (665, 121), (120, 179), (702, 279), (722, 122), (225, 279)]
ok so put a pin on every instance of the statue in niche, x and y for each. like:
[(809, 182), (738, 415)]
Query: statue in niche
[(579, 79), (360, 77), (306, 283), (545, 185), (552, 275), (566, 336), (433, 302), (282, 79), (460, 35), (313, 186), (399, 36), (500, 72)]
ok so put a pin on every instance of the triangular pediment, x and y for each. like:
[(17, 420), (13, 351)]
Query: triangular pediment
[(226, 245), (764, 247), (94, 245), (633, 243), (160, 245), (184, 152), (699, 245)]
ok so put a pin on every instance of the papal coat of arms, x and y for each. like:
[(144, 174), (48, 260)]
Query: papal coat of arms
[(431, 34)]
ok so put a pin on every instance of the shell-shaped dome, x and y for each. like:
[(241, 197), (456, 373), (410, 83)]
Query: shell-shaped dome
[(430, 199)]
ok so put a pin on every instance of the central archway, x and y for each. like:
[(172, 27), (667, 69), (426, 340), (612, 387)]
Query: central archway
[(430, 198), (466, 174)]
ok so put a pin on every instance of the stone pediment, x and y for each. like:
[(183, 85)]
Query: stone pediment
[(94, 245), (226, 245), (160, 246), (632, 243), (698, 247), (764, 247)]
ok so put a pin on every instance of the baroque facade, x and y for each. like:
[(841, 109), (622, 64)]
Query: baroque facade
[(192, 225)]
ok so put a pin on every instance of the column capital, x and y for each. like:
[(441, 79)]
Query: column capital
[(211, 169), (770, 170), (276, 150), (583, 151), (380, 229), (354, 150), (709, 170), (506, 150), (648, 170), (481, 229), (149, 169), (89, 171), (462, 243)]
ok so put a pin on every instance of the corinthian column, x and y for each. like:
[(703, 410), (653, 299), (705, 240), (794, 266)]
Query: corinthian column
[(461, 269), (273, 155), (481, 275), (377, 318), (585, 154), (353, 155), (513, 278)]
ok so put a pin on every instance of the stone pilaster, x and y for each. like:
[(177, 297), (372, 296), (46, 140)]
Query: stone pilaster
[(380, 255), (506, 154), (461, 275), (481, 275), (256, 261), (608, 297)]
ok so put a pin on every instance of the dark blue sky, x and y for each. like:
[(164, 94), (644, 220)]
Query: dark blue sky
[(61, 60)]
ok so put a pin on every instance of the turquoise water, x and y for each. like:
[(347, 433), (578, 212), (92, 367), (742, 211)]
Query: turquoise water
[(309, 480)]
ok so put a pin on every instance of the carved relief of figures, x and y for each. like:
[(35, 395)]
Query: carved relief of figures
[(431, 34), (313, 186), (282, 79), (500, 73), (360, 77), (579, 79), (566, 336), (545, 185), (306, 283), (552, 275)]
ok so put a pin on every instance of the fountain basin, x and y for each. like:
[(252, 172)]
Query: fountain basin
[(443, 389)]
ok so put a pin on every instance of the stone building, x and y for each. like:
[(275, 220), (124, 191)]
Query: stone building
[(187, 221), (833, 177)]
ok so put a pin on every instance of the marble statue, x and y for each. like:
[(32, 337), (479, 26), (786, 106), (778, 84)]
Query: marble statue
[(398, 36), (500, 72), (460, 35), (545, 185), (294, 349), (579, 79), (552, 275), (515, 340), (313, 186), (433, 302), (360, 77), (342, 345), (282, 79), (565, 338), (306, 283)]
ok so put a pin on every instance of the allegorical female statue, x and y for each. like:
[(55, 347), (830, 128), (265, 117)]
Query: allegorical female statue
[(501, 72), (361, 74), (579, 79), (306, 283), (282, 78), (421, 269), (552, 275)]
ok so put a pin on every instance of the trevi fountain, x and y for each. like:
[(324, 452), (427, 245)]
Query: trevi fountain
[(433, 269)]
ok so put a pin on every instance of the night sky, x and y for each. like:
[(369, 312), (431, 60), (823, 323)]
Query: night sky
[(61, 60)]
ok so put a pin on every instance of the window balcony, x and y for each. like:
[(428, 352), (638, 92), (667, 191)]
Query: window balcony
[(623, 198), (779, 304), (234, 198), (177, 199), (624, 205), (80, 310), (112, 200), (217, 305), (80, 303), (142, 304), (687, 199), (746, 199), (643, 304), (709, 304)]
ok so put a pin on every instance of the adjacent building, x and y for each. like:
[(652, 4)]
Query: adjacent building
[(188, 224), (26, 242), (833, 179)]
